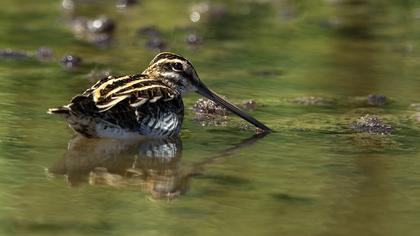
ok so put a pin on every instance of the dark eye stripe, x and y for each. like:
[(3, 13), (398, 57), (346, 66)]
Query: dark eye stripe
[(177, 66)]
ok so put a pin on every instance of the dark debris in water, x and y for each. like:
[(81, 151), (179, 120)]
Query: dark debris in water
[(102, 24), (191, 36), (156, 43), (149, 30), (247, 126), (193, 39), (98, 31), (41, 54), (250, 104), (70, 61), (371, 100), (101, 40), (44, 53), (287, 198), (125, 3), (209, 113), (153, 36), (377, 99), (9, 53), (208, 107), (266, 72), (371, 124)]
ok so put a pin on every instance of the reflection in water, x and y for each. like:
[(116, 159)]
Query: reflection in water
[(358, 56), (354, 19), (151, 164), (355, 53)]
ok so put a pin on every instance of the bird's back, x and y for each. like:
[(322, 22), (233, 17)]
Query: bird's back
[(123, 107)]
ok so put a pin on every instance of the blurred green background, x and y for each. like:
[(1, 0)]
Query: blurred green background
[(309, 65)]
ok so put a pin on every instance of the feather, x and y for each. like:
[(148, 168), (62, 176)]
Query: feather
[(136, 89), (139, 103)]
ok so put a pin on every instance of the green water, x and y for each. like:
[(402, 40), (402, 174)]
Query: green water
[(312, 176)]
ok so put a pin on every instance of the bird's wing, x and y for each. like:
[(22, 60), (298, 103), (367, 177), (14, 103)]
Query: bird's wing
[(136, 89)]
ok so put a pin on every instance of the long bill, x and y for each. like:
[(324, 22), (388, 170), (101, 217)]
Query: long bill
[(205, 92)]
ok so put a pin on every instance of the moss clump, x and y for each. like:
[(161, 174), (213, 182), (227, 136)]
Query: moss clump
[(209, 113), (371, 124)]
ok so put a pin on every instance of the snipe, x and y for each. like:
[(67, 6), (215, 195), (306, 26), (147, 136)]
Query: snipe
[(147, 104)]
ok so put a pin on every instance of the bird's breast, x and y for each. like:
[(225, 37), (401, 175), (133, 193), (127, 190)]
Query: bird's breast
[(164, 124), (161, 119)]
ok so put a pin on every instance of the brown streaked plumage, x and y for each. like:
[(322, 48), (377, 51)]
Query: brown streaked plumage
[(147, 104)]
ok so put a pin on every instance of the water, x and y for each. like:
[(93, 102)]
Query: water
[(312, 176)]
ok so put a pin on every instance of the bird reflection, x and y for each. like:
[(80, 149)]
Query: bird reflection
[(153, 165)]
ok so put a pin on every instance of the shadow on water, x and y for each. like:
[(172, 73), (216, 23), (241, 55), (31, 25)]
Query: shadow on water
[(154, 165)]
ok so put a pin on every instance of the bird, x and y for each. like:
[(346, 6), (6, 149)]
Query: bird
[(148, 104)]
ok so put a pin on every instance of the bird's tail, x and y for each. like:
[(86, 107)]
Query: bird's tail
[(64, 110)]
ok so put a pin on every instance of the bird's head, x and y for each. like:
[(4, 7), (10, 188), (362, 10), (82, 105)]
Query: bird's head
[(179, 74), (175, 71)]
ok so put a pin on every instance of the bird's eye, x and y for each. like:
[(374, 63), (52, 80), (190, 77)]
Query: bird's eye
[(177, 66)]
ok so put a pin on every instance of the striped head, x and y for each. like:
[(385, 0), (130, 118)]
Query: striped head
[(175, 71)]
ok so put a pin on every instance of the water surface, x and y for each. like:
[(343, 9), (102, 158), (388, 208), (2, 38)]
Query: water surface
[(312, 176)]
